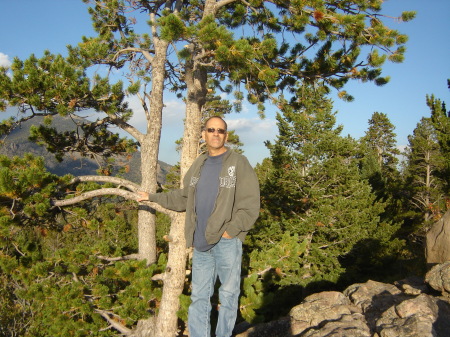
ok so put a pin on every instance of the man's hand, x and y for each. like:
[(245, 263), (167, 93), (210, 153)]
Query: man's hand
[(226, 236), (142, 196)]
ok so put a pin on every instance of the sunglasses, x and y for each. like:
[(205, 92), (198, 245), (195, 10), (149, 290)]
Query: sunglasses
[(220, 131)]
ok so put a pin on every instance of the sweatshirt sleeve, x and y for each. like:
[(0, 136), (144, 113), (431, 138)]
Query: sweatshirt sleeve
[(175, 200), (247, 200)]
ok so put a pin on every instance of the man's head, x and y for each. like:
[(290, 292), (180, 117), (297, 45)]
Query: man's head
[(215, 135)]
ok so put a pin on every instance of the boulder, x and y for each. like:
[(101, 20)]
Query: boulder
[(439, 278), (414, 317), (333, 305), (374, 298), (438, 241)]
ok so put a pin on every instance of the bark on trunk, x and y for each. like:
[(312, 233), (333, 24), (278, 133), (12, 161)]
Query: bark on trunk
[(175, 273), (149, 153), (196, 79)]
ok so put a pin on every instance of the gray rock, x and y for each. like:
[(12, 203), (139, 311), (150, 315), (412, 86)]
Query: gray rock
[(412, 285), (374, 298), (411, 318), (438, 241), (439, 278), (318, 309)]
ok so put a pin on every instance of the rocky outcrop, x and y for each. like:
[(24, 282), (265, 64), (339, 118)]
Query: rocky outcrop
[(409, 308), (439, 278), (438, 241)]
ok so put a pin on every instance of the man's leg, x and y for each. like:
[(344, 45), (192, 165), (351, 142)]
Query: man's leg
[(203, 279), (228, 254)]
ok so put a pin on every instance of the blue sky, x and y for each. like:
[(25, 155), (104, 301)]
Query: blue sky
[(30, 26)]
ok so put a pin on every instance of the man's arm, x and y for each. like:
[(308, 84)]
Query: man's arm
[(175, 200)]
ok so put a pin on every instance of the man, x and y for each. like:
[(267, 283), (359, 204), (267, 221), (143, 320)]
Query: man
[(221, 200)]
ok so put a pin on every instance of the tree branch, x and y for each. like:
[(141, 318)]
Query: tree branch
[(116, 325), (145, 53), (131, 130), (106, 179), (119, 258), (17, 249), (159, 277), (96, 193), (223, 3), (110, 191)]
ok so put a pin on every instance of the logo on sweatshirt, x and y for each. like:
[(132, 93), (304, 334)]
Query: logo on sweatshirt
[(230, 180), (193, 181)]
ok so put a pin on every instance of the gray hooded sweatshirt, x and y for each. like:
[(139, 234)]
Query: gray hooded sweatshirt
[(237, 204)]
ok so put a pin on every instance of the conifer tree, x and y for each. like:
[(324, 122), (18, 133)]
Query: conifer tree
[(379, 161), (157, 45), (381, 138), (424, 187), (54, 263), (441, 121), (424, 164), (25, 212), (319, 213)]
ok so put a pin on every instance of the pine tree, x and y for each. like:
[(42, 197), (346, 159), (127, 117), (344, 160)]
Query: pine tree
[(319, 212), (52, 264), (381, 138), (424, 164), (379, 163), (441, 122)]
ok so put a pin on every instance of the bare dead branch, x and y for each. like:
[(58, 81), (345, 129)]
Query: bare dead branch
[(119, 258), (75, 277), (131, 130), (264, 271), (106, 179), (144, 52), (159, 277), (110, 191), (96, 193), (115, 324), (223, 3), (17, 249)]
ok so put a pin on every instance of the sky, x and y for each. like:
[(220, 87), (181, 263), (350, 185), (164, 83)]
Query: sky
[(30, 27)]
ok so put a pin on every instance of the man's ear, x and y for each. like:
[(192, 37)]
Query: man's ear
[(203, 135)]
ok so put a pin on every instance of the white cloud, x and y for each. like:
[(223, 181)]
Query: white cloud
[(402, 148), (253, 132), (253, 128), (4, 61), (173, 113)]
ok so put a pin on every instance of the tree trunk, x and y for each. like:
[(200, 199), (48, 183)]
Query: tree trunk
[(428, 210), (174, 276), (166, 322), (149, 153), (196, 79), (146, 215)]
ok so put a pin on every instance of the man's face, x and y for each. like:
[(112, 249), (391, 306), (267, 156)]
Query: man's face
[(215, 141)]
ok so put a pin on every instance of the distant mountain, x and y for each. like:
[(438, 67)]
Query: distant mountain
[(17, 144)]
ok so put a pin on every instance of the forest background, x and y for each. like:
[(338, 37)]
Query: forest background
[(80, 258)]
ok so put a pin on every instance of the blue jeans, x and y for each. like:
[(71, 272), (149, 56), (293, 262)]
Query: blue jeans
[(223, 260)]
